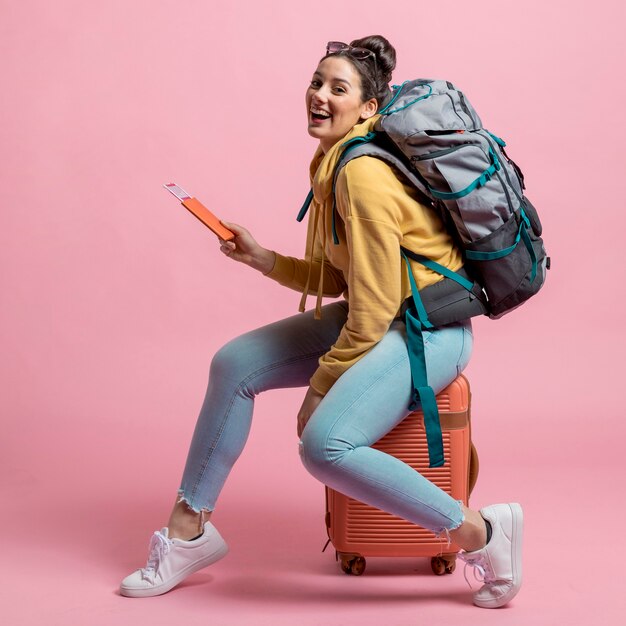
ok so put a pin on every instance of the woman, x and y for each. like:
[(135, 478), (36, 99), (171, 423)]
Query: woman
[(352, 354)]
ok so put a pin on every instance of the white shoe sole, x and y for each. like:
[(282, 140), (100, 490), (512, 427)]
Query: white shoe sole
[(517, 518), (157, 590)]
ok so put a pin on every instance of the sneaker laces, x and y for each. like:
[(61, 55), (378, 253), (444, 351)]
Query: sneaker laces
[(481, 568), (159, 546)]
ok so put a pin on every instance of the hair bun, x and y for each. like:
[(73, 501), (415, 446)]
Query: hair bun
[(385, 55)]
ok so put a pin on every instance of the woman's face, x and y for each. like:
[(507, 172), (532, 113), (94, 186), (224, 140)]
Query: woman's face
[(333, 101)]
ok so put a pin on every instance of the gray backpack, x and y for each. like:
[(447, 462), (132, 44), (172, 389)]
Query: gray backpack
[(432, 135)]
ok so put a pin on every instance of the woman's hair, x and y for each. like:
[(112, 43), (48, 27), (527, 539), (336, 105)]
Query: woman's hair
[(375, 76)]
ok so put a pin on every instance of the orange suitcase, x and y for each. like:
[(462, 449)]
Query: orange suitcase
[(358, 530)]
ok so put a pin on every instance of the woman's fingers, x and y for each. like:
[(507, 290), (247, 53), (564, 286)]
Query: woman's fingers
[(244, 248), (235, 228), (227, 247), (301, 425), (311, 401)]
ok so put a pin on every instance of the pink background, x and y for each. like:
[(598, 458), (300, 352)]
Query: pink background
[(114, 300)]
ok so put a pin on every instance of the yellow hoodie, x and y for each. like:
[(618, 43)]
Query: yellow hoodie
[(377, 212)]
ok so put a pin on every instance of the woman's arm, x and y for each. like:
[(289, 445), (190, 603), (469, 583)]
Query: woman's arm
[(287, 271), (291, 272)]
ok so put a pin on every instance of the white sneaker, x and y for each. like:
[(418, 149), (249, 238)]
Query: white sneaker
[(500, 561), (170, 561)]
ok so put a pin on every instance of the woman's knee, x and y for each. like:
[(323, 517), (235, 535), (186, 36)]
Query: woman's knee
[(321, 454), (231, 363), (313, 456)]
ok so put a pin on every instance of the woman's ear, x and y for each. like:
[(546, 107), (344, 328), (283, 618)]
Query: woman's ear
[(368, 109)]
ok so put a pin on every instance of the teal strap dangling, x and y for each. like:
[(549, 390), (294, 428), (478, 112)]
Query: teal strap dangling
[(422, 394)]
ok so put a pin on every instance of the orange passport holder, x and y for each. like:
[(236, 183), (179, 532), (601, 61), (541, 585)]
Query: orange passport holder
[(209, 219), (194, 206)]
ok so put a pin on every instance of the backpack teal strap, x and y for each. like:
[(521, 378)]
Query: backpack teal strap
[(417, 301), (440, 269), (422, 394), (347, 146), (482, 180), (497, 139), (305, 206), (529, 246), (398, 91), (334, 223), (408, 104), (522, 234), (475, 255)]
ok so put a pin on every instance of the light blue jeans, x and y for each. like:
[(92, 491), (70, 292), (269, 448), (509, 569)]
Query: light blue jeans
[(367, 401)]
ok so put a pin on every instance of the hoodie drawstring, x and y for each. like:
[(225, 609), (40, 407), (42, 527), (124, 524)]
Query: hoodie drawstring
[(305, 292), (320, 290), (317, 209)]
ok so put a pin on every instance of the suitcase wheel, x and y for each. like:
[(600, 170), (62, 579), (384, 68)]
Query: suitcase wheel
[(352, 565), (444, 564)]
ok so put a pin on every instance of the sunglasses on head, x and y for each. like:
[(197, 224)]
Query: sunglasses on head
[(360, 54)]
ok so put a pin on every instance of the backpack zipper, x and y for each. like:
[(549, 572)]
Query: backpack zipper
[(438, 153), (465, 107), (506, 174), (454, 109)]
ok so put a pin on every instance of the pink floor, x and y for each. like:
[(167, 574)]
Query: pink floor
[(63, 558)]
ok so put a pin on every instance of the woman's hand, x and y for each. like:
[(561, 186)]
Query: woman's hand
[(309, 404), (245, 249)]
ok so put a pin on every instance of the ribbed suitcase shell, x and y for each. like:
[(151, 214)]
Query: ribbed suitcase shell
[(357, 529)]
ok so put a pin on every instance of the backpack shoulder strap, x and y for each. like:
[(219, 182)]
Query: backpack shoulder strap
[(379, 146), (376, 145)]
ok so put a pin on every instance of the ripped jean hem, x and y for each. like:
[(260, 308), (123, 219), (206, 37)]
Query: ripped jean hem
[(446, 531), (201, 511)]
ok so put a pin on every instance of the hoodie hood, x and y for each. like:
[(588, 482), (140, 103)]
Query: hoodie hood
[(322, 169), (322, 172)]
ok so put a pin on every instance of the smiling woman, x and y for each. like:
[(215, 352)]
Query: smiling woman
[(348, 87), (351, 355), (334, 102)]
